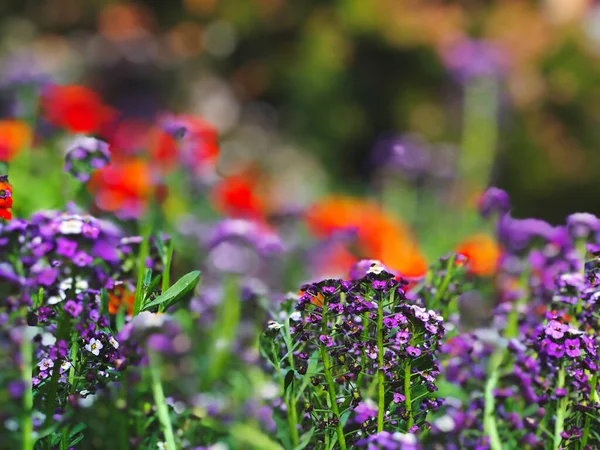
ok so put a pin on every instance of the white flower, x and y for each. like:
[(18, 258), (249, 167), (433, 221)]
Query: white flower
[(420, 313), (94, 346), (113, 342), (295, 316), (376, 267), (161, 445), (445, 423), (71, 226), (146, 319), (66, 365), (11, 424), (81, 285), (48, 339), (55, 299), (404, 438), (274, 325)]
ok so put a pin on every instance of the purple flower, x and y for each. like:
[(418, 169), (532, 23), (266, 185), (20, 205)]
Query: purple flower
[(472, 58), (494, 201), (73, 308), (66, 247), (572, 347), (582, 225), (326, 340), (555, 350), (413, 351), (399, 397), (560, 392), (556, 329), (82, 259), (402, 337)]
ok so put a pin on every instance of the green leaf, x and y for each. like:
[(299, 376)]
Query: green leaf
[(283, 430), (77, 428), (147, 277), (266, 346), (289, 379), (104, 300), (247, 436), (176, 292), (305, 439)]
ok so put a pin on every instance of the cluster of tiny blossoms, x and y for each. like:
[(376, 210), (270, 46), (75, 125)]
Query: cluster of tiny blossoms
[(364, 333), (54, 269)]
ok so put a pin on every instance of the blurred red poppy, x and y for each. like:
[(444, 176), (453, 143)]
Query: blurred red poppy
[(75, 108)]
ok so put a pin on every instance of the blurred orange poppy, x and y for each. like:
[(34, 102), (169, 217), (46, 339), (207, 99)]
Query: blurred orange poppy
[(379, 235), (123, 187), (14, 135), (118, 297), (482, 253), (76, 108)]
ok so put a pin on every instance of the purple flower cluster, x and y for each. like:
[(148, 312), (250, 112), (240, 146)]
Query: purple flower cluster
[(360, 330), (389, 441), (85, 155), (470, 59)]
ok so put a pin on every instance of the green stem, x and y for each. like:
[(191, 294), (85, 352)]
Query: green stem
[(161, 405), (290, 399), (74, 349), (330, 383), (586, 428), (225, 330), (51, 398), (561, 410), (445, 282), (480, 131), (407, 395), (166, 276), (143, 255), (26, 376), (380, 364), (489, 417), (365, 334)]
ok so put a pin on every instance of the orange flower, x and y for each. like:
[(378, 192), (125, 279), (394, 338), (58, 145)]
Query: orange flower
[(14, 135), (6, 200), (380, 235), (118, 297), (236, 196), (122, 187), (482, 253), (76, 108)]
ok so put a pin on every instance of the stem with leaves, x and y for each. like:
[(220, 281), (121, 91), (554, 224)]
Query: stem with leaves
[(143, 255), (160, 402), (330, 383), (380, 364), (26, 377), (561, 410)]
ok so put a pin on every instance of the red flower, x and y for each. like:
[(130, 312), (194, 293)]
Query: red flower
[(6, 200), (236, 196), (76, 108)]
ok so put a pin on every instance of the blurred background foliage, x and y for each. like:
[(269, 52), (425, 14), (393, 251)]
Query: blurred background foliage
[(303, 89)]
